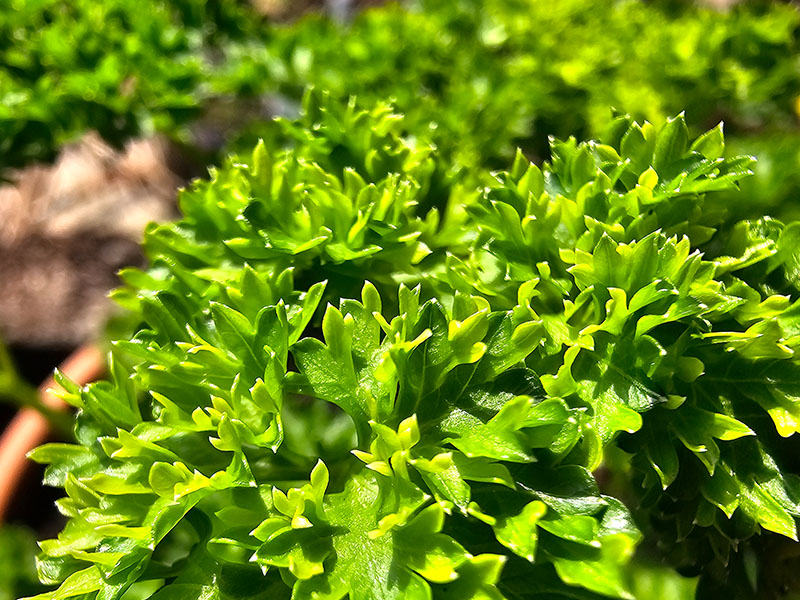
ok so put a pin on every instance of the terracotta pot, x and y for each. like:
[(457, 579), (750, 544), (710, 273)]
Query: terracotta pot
[(29, 428)]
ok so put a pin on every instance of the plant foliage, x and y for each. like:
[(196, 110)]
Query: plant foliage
[(359, 373), (477, 78), (117, 67), (488, 74)]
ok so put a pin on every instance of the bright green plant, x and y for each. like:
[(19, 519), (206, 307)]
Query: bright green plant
[(477, 78), (486, 76), (489, 343)]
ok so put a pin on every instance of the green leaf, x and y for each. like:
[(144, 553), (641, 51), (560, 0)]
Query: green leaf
[(711, 144), (602, 576), (476, 580), (789, 252), (661, 454), (83, 582), (518, 533), (364, 567), (767, 511), (568, 489), (671, 143)]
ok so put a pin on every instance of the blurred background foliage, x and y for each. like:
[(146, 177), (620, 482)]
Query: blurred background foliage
[(479, 78), (17, 570)]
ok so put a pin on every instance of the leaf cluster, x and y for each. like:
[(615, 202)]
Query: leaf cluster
[(358, 374)]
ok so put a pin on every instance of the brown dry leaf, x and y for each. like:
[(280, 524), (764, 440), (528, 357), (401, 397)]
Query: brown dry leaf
[(66, 229)]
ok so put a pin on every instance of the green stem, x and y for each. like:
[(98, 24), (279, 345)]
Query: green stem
[(15, 390)]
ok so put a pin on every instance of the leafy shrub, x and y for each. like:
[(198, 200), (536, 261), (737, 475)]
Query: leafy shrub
[(490, 341)]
